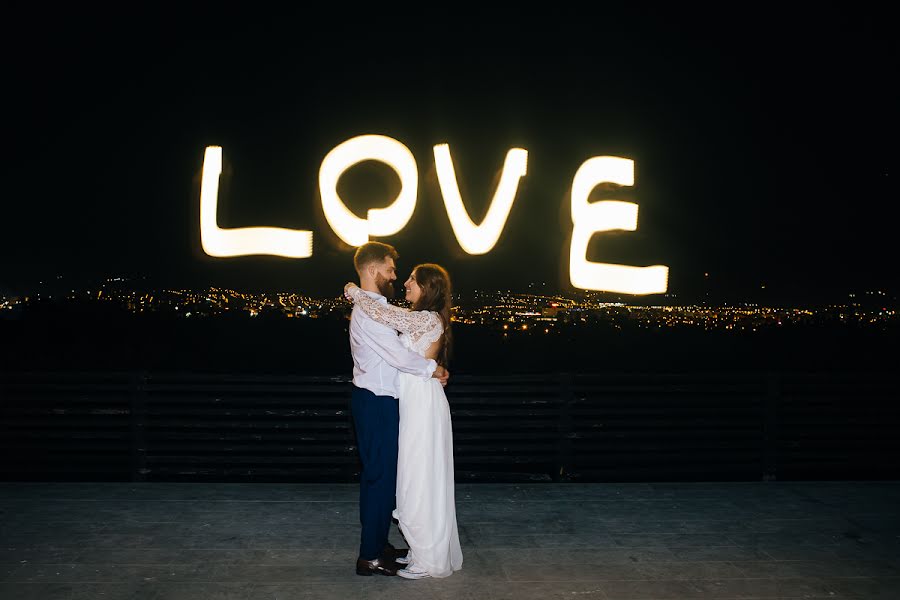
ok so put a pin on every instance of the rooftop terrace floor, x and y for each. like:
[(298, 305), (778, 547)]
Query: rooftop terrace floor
[(632, 541)]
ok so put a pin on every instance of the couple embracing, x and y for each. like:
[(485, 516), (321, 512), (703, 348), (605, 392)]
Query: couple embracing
[(402, 418)]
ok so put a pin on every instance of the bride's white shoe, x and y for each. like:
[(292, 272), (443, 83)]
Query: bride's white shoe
[(412, 572)]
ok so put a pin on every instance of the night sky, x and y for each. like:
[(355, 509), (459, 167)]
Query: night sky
[(764, 143)]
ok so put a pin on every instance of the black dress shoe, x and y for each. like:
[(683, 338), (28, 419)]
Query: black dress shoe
[(395, 553), (379, 566)]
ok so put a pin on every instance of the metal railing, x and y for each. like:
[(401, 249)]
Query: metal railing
[(559, 427)]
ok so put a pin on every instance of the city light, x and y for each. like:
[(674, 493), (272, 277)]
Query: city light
[(511, 313)]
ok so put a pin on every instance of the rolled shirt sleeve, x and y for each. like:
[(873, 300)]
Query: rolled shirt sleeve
[(388, 346)]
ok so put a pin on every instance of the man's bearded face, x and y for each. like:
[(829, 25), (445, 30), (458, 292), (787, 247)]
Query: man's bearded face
[(385, 286)]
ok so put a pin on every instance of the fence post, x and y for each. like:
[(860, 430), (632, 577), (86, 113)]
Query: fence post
[(770, 427), (138, 422), (353, 469), (564, 430)]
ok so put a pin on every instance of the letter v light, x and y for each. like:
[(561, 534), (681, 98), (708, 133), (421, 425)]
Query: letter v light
[(479, 239)]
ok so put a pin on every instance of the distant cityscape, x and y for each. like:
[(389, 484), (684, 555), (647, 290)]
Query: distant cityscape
[(508, 312)]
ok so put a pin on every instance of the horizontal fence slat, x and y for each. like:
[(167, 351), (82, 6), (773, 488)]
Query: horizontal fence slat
[(544, 427)]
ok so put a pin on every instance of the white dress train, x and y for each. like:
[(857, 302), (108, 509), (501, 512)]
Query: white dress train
[(426, 501)]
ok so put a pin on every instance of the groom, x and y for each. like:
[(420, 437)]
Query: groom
[(378, 358)]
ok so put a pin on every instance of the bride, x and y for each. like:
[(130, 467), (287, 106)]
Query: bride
[(426, 505)]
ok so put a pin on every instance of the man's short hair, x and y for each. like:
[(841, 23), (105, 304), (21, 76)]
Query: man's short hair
[(373, 252)]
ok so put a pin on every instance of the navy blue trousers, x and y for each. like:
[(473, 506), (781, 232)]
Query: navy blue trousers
[(377, 422)]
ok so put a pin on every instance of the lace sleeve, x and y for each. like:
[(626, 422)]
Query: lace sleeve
[(418, 324)]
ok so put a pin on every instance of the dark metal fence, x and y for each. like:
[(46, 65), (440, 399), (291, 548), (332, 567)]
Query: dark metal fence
[(562, 427)]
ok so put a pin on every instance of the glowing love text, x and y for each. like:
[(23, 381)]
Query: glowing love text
[(588, 218)]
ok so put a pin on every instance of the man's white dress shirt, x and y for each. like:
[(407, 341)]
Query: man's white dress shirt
[(379, 355)]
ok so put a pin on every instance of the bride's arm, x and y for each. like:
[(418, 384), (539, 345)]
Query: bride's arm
[(414, 322)]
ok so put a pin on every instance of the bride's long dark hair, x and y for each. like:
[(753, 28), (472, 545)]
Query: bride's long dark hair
[(436, 296)]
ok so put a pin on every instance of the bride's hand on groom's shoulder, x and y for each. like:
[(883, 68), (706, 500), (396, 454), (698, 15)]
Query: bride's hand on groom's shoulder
[(347, 290)]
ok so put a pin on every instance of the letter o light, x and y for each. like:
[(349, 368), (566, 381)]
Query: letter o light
[(381, 221)]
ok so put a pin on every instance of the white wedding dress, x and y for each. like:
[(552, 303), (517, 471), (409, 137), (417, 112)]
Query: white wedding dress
[(426, 502)]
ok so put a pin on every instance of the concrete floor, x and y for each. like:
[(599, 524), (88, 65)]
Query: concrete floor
[(647, 541)]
